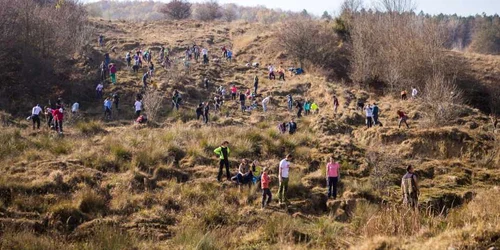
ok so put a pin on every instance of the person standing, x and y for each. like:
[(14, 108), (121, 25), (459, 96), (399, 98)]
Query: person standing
[(223, 152), (204, 52), (266, 192), (299, 107), (369, 116), (138, 107), (116, 100), (255, 84), (414, 92), (206, 111), (409, 187), (292, 126), (335, 104), (265, 102), (289, 100), (242, 101), (75, 107), (128, 58), (307, 107), (107, 108), (112, 73), (35, 116), (98, 90), (283, 175), (404, 95), (332, 177), (199, 111), (376, 112), (145, 80), (176, 100), (100, 40), (104, 70), (50, 118), (234, 90)]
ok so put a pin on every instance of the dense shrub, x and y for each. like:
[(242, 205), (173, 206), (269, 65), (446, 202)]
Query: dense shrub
[(177, 9)]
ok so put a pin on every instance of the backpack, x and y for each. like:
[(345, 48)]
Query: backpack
[(409, 185)]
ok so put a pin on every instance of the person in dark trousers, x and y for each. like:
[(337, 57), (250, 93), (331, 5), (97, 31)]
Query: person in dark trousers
[(206, 83), (332, 177), (206, 111), (299, 107), (145, 80), (409, 187), (116, 100), (35, 116), (223, 152), (375, 113), (255, 84), (266, 192), (402, 118), (50, 118), (199, 111), (242, 101), (176, 100), (104, 71), (292, 127)]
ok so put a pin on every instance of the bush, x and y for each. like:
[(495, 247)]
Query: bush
[(92, 202), (442, 98), (177, 9)]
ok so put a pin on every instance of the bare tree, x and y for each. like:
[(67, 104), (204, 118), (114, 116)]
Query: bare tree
[(351, 6), (153, 100), (441, 98), (299, 38), (230, 12), (208, 11), (177, 9), (396, 6)]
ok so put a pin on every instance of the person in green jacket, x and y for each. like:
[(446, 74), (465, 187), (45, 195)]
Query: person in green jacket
[(223, 153)]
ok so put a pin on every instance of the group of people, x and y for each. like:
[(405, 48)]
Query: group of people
[(249, 174), (54, 116), (252, 173)]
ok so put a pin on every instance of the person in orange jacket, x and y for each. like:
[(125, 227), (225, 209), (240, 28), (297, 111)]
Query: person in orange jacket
[(266, 192)]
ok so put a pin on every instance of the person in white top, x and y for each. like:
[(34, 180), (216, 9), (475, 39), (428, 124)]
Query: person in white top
[(369, 115), (98, 90), (283, 175), (204, 52), (75, 107), (265, 102), (414, 92), (35, 116), (138, 107)]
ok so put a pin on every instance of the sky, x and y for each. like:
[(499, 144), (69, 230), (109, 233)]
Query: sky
[(459, 7)]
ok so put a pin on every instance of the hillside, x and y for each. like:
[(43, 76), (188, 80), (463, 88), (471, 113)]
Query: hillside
[(119, 185)]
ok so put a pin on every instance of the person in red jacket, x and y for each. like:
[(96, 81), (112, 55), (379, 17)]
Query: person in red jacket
[(402, 118), (58, 114), (266, 192)]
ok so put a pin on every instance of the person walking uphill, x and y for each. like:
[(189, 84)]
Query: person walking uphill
[(223, 152), (266, 192), (112, 73), (255, 84), (409, 187), (332, 177), (283, 174)]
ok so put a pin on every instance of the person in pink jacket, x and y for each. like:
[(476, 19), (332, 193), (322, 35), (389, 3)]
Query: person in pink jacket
[(332, 176)]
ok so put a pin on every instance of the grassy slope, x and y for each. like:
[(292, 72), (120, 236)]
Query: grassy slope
[(157, 185)]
